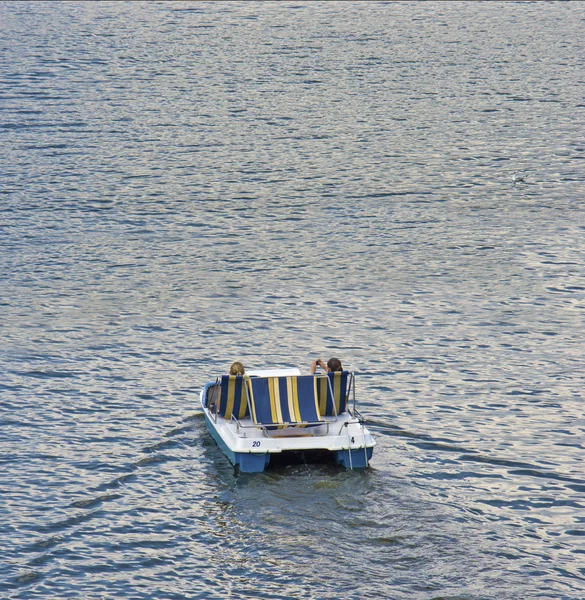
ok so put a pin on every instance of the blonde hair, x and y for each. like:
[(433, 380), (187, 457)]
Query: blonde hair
[(237, 368)]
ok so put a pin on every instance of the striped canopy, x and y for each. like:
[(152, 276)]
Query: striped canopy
[(233, 399), (333, 398), (284, 400)]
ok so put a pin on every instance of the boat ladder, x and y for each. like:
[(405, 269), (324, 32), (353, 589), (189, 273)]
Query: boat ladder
[(361, 424)]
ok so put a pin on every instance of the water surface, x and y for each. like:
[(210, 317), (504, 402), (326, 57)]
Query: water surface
[(183, 185)]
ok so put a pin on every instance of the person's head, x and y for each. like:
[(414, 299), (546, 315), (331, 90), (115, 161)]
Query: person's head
[(237, 368), (334, 364)]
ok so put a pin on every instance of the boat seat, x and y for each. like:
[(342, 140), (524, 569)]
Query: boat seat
[(279, 402), (333, 392), (233, 397)]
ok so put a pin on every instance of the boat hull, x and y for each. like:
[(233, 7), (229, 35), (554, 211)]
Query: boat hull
[(354, 459), (247, 462)]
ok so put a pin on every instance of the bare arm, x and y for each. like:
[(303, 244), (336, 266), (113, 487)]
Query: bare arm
[(318, 363)]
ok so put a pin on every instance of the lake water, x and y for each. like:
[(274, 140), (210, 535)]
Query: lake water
[(183, 185)]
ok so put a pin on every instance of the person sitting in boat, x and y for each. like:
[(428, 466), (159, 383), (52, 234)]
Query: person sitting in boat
[(237, 368), (333, 365), (214, 391)]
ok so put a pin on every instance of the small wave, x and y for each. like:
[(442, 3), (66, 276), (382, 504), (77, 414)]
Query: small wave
[(50, 374), (93, 502), (165, 445)]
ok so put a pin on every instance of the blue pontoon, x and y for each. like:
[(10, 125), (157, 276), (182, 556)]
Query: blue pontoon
[(272, 412)]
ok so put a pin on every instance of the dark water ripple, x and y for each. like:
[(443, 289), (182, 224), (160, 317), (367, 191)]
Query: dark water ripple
[(184, 184)]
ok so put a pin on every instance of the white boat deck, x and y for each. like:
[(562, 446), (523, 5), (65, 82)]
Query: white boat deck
[(336, 433)]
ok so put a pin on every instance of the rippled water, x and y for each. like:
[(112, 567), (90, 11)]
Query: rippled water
[(183, 185)]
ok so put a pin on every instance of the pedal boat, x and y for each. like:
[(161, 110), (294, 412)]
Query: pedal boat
[(267, 413)]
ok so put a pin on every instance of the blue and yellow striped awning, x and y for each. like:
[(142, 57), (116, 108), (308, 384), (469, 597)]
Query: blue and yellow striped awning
[(233, 399), (284, 400), (335, 395)]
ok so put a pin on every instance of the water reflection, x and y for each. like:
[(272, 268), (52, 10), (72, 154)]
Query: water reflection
[(186, 184)]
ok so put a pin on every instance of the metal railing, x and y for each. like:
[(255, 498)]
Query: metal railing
[(353, 412)]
